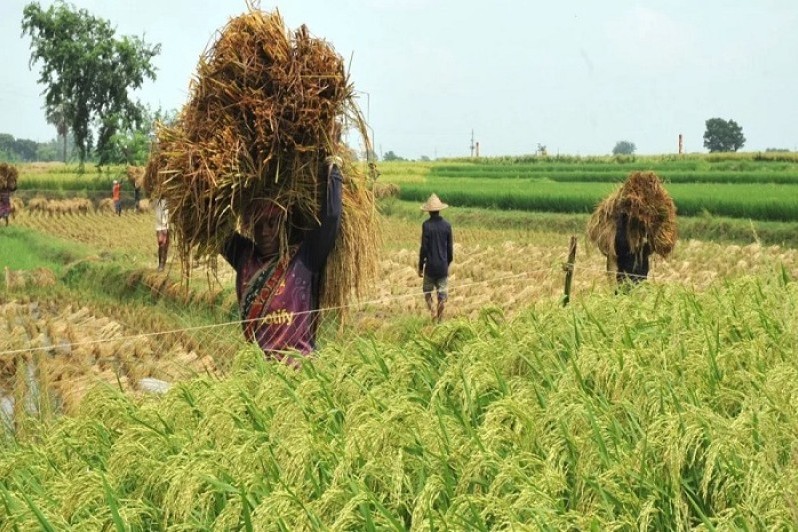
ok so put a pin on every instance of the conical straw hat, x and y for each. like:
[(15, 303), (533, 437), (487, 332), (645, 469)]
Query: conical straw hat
[(433, 204)]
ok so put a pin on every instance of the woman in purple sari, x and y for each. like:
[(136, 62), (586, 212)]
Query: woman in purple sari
[(279, 295)]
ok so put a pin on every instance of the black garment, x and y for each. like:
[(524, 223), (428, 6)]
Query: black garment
[(436, 251), (632, 267)]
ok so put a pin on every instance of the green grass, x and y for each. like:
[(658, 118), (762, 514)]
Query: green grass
[(26, 249)]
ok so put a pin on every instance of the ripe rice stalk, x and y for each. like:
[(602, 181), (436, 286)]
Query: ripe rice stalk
[(651, 211), (265, 112)]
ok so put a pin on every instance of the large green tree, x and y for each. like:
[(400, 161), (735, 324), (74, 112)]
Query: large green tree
[(88, 72), (723, 135)]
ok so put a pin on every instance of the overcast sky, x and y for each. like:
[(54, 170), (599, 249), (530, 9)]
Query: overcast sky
[(576, 76)]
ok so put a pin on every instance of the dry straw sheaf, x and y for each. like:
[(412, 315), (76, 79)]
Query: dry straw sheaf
[(135, 174), (650, 208), (60, 206), (386, 190), (106, 205), (8, 177), (263, 115)]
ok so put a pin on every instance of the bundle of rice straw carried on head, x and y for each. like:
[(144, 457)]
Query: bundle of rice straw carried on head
[(135, 174), (651, 212), (265, 111), (8, 177)]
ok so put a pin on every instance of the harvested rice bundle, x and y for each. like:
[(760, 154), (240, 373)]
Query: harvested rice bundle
[(135, 175), (651, 212), (8, 177), (38, 203), (105, 205), (264, 113)]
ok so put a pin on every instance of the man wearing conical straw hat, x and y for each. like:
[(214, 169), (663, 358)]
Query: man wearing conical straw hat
[(435, 255)]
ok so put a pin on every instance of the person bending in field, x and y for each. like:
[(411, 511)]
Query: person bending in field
[(279, 296), (435, 256), (632, 266)]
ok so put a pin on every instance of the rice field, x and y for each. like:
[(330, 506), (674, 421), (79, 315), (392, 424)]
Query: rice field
[(669, 408), (772, 202)]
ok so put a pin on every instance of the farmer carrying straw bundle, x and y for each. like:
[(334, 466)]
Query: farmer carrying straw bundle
[(254, 169), (633, 222), (135, 174), (8, 184)]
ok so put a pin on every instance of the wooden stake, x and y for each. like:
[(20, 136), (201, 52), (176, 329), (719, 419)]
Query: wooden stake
[(569, 271)]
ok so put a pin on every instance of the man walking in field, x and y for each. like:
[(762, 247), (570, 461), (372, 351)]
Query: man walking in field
[(435, 255)]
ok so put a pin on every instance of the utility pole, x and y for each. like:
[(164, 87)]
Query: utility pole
[(472, 143)]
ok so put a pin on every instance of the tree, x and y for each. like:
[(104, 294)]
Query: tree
[(87, 72), (391, 156), (131, 145), (7, 147), (624, 147), (57, 118), (12, 149), (723, 135), (26, 149)]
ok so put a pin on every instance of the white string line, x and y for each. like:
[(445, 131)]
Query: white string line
[(382, 300)]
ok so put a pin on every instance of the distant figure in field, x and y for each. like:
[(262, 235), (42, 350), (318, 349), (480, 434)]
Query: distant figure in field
[(162, 231), (435, 255), (136, 196), (8, 184), (632, 264), (116, 195), (633, 222), (373, 172), (5, 205)]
